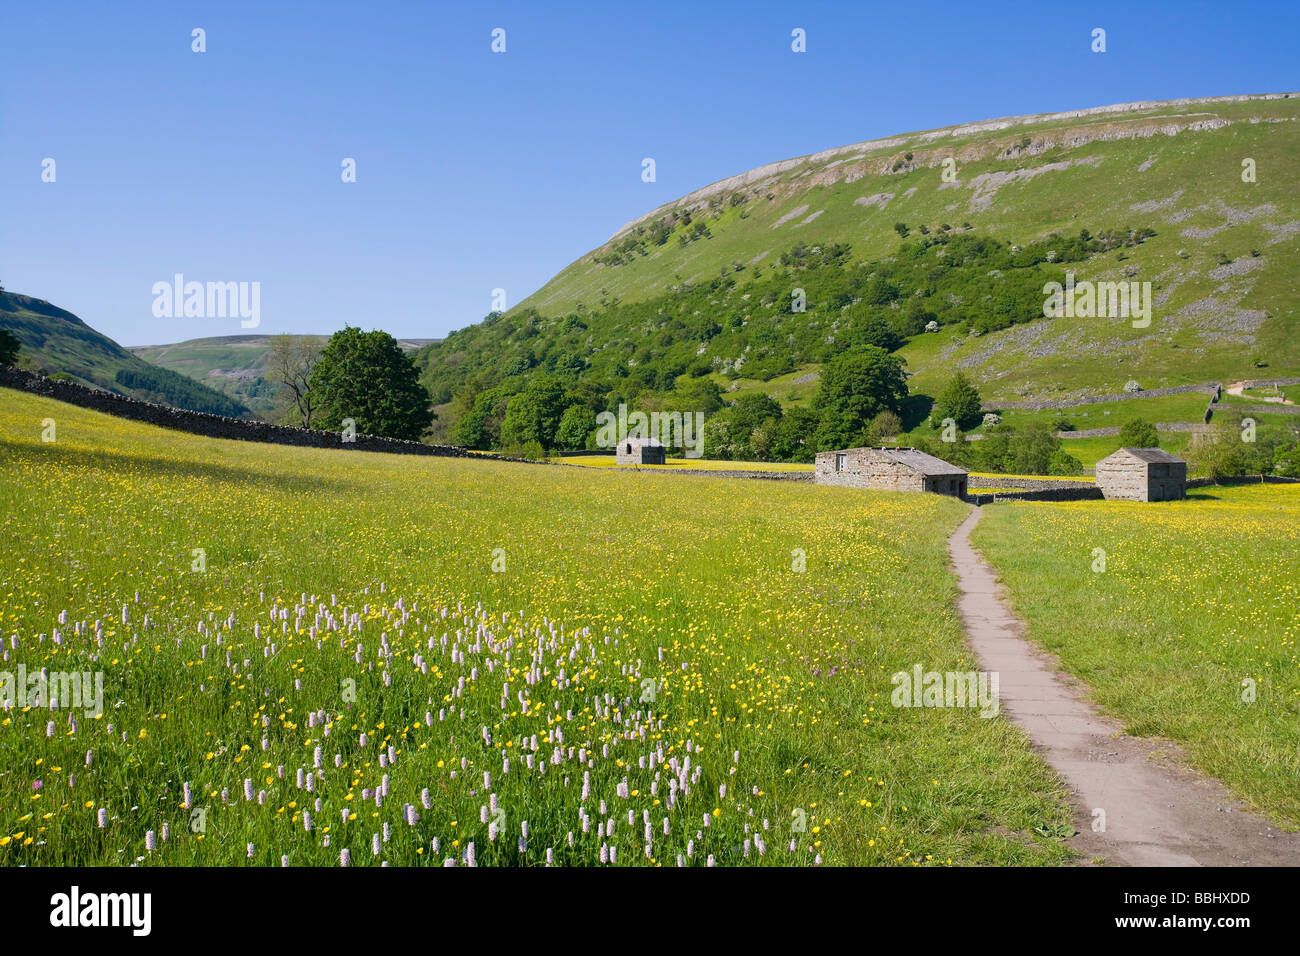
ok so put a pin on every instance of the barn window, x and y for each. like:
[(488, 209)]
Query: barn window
[(839, 462), (629, 448)]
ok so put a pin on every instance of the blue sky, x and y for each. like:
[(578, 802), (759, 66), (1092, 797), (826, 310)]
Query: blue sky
[(477, 170)]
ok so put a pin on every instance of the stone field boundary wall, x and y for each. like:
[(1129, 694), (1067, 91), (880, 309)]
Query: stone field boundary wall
[(209, 425), (1209, 388), (1093, 493), (1029, 484)]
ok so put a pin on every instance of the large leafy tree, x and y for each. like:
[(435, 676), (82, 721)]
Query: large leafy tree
[(577, 422), (365, 376), (959, 401), (855, 387), (534, 414), (480, 426)]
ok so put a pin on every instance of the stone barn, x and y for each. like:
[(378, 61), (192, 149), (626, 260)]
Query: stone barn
[(1142, 474), (640, 451), (889, 469)]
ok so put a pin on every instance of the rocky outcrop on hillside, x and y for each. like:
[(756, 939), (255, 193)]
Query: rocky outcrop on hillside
[(858, 160)]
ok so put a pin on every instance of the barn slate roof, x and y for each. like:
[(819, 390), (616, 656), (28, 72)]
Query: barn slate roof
[(1149, 455), (918, 461)]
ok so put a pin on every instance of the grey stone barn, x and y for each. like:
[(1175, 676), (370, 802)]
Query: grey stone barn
[(1142, 474), (640, 451), (890, 469)]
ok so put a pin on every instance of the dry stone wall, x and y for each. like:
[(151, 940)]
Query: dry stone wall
[(1209, 388), (202, 423)]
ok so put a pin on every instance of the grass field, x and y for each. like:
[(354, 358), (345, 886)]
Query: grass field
[(1191, 630), (1188, 407), (687, 464), (341, 668)]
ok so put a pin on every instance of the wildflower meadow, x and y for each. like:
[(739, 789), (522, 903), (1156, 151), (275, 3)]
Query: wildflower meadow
[(324, 657)]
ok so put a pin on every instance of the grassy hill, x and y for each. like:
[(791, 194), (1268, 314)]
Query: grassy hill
[(56, 342), (702, 286), (233, 364)]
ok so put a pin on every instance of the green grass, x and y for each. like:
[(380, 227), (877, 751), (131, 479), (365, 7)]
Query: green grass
[(612, 586), (1197, 597), (685, 464), (1290, 393), (1165, 408)]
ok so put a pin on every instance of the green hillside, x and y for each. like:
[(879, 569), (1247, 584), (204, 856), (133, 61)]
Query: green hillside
[(233, 364), (701, 288), (56, 342)]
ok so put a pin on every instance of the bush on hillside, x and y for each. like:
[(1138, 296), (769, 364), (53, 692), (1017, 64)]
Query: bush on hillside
[(1138, 433), (959, 401), (9, 347)]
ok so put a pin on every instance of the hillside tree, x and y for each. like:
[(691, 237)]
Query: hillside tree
[(534, 414), (365, 376), (290, 363), (9, 347), (959, 401), (577, 422), (856, 386)]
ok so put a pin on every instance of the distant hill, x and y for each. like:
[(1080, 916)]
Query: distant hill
[(56, 342), (233, 364), (876, 236)]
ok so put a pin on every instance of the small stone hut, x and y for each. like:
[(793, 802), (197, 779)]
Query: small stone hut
[(640, 451), (1142, 474), (890, 469)]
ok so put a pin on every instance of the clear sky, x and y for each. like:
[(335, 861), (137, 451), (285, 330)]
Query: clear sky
[(478, 170)]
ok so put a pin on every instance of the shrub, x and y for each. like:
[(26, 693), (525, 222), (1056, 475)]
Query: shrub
[(1138, 433), (9, 346), (1063, 463), (883, 428), (1286, 461), (959, 401)]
